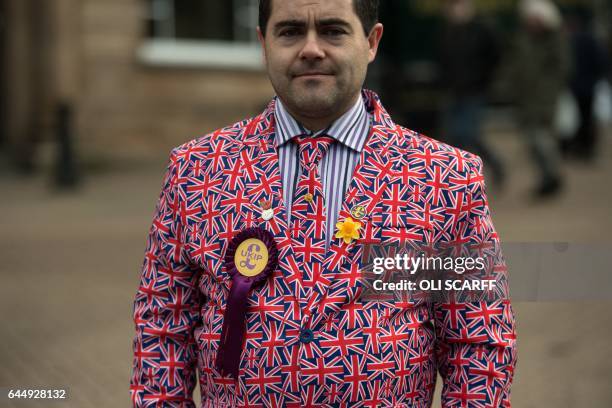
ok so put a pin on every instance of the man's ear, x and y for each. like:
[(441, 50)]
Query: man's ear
[(374, 40), (262, 42)]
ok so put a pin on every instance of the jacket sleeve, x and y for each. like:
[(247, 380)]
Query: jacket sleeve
[(476, 340), (166, 308)]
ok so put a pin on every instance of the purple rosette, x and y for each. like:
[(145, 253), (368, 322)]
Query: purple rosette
[(232, 333)]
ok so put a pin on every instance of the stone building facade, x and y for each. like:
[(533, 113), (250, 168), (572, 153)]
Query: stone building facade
[(127, 102)]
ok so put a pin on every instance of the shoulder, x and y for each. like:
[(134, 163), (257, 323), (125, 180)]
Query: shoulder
[(221, 142), (229, 135), (424, 150)]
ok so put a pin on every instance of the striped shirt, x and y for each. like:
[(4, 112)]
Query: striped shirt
[(336, 168)]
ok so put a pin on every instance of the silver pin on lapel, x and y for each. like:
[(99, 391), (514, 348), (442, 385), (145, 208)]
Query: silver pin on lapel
[(267, 212)]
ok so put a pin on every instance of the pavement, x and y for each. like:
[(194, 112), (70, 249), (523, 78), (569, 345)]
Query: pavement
[(70, 261)]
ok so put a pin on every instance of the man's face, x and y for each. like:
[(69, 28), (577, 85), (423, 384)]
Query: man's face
[(317, 54)]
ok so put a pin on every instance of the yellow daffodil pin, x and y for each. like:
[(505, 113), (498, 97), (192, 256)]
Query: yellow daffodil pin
[(348, 230)]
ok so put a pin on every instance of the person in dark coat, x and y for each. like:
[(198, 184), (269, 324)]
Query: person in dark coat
[(590, 63), (539, 74), (468, 54)]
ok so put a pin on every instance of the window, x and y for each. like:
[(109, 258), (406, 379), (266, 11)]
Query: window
[(209, 33)]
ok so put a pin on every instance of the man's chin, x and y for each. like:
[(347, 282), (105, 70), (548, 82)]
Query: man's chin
[(310, 99), (316, 107)]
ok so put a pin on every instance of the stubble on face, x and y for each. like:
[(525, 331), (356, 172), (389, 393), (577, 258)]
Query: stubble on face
[(317, 97)]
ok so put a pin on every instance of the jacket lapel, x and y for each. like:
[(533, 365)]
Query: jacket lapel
[(379, 161), (262, 182)]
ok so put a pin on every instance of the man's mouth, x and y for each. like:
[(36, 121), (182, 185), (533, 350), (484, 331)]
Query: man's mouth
[(312, 74)]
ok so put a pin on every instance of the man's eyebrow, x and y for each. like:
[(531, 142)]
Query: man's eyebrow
[(321, 23), (333, 21), (289, 23)]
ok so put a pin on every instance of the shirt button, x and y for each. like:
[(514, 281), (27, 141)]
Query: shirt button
[(306, 336)]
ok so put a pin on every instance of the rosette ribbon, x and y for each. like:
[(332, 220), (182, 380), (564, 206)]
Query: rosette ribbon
[(250, 259)]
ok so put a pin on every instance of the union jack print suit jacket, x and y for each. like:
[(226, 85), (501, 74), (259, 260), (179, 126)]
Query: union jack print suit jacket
[(363, 354)]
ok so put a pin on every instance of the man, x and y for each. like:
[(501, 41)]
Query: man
[(323, 154), (468, 56), (539, 74), (589, 66)]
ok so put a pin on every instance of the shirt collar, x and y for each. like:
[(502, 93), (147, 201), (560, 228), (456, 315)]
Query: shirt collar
[(351, 129)]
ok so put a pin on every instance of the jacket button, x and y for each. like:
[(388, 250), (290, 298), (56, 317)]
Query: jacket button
[(306, 336)]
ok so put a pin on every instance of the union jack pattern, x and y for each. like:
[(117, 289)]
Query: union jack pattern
[(382, 353)]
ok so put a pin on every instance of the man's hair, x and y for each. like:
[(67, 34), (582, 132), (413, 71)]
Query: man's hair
[(366, 10)]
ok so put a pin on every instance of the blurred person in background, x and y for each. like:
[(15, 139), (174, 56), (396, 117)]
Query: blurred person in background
[(590, 64), (539, 75), (468, 54)]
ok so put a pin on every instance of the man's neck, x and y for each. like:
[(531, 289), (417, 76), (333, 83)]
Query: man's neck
[(315, 124)]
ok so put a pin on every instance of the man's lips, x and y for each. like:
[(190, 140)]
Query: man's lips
[(312, 74)]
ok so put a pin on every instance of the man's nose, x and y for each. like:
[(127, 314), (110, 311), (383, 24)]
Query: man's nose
[(312, 48)]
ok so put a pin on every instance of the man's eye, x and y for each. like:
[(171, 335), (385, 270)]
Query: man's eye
[(290, 32), (333, 32)]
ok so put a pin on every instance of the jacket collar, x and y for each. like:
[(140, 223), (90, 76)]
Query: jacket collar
[(263, 128), (350, 129)]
